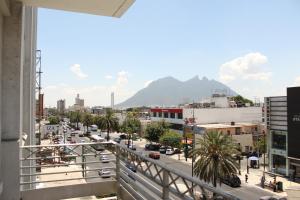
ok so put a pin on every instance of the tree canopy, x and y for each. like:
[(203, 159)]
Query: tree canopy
[(155, 130), (53, 120), (171, 138)]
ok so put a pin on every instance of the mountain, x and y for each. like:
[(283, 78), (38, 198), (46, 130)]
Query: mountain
[(169, 91)]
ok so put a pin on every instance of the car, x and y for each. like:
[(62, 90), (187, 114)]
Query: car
[(98, 147), (65, 130), (80, 134), (132, 147), (272, 198), (170, 151), (152, 147), (154, 155), (73, 134), (176, 150), (232, 181), (104, 159), (131, 166), (117, 140), (162, 149), (123, 137), (82, 141), (104, 173), (69, 138)]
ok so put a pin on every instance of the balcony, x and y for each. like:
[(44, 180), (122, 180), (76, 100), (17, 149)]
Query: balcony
[(133, 175)]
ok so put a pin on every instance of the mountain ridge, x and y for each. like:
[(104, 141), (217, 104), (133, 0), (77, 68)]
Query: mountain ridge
[(169, 91)]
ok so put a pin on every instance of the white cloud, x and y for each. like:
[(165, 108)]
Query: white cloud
[(108, 77), (297, 81), (248, 67), (77, 71), (147, 83), (122, 78)]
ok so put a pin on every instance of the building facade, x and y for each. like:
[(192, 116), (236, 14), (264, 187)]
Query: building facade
[(61, 106), (282, 116)]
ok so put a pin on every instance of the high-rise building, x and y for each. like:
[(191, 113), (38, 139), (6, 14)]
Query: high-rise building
[(79, 102), (112, 100), (61, 105)]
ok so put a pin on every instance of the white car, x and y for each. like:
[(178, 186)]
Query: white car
[(104, 173), (104, 159), (169, 151)]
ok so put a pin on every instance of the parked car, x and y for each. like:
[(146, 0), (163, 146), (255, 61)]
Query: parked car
[(123, 137), (73, 134), (272, 198), (131, 166), (152, 147), (117, 140), (176, 150), (104, 173), (80, 134), (162, 149), (154, 155), (69, 138), (104, 159), (170, 151), (232, 181)]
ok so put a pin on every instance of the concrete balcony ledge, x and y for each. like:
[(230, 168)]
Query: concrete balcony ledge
[(112, 8)]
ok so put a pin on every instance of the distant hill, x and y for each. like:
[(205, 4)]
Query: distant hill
[(169, 91)]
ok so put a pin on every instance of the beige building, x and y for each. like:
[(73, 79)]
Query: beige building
[(243, 133)]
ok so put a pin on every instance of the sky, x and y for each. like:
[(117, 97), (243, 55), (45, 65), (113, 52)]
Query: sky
[(251, 45)]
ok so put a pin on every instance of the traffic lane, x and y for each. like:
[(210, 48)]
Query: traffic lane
[(244, 192)]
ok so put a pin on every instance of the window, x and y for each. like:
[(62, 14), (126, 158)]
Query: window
[(279, 162), (159, 114), (179, 115), (238, 131), (228, 132), (166, 115), (172, 115), (278, 140), (154, 114)]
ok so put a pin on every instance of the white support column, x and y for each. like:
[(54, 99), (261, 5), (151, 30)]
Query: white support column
[(29, 16), (11, 102)]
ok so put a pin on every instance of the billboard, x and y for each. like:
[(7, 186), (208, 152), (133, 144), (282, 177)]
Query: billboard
[(293, 112)]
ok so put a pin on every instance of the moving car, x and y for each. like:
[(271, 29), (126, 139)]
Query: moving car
[(69, 138), (98, 147), (104, 159), (152, 147), (104, 173), (232, 181), (123, 137), (131, 166), (154, 155), (170, 151)]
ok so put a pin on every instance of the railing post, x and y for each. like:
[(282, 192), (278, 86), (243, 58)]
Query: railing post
[(83, 161), (117, 149), (165, 194)]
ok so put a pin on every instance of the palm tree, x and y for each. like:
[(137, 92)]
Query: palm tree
[(87, 120), (108, 122), (131, 125), (215, 157), (75, 117)]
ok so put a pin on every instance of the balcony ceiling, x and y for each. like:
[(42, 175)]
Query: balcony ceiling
[(112, 8)]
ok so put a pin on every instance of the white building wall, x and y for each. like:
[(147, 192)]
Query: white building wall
[(224, 115)]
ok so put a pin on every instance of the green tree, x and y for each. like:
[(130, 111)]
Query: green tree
[(171, 138), (131, 125), (155, 130), (261, 145), (75, 117), (53, 120), (87, 120), (215, 157), (108, 122), (241, 100)]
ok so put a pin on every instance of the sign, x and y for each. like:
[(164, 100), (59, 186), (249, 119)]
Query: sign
[(293, 112)]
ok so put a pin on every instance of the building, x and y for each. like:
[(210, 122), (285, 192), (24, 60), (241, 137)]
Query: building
[(61, 106), (242, 133), (282, 116), (177, 117), (79, 102), (99, 110), (112, 100)]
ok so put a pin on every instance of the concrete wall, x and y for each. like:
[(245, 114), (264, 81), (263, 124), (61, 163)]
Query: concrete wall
[(224, 115), (244, 140)]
